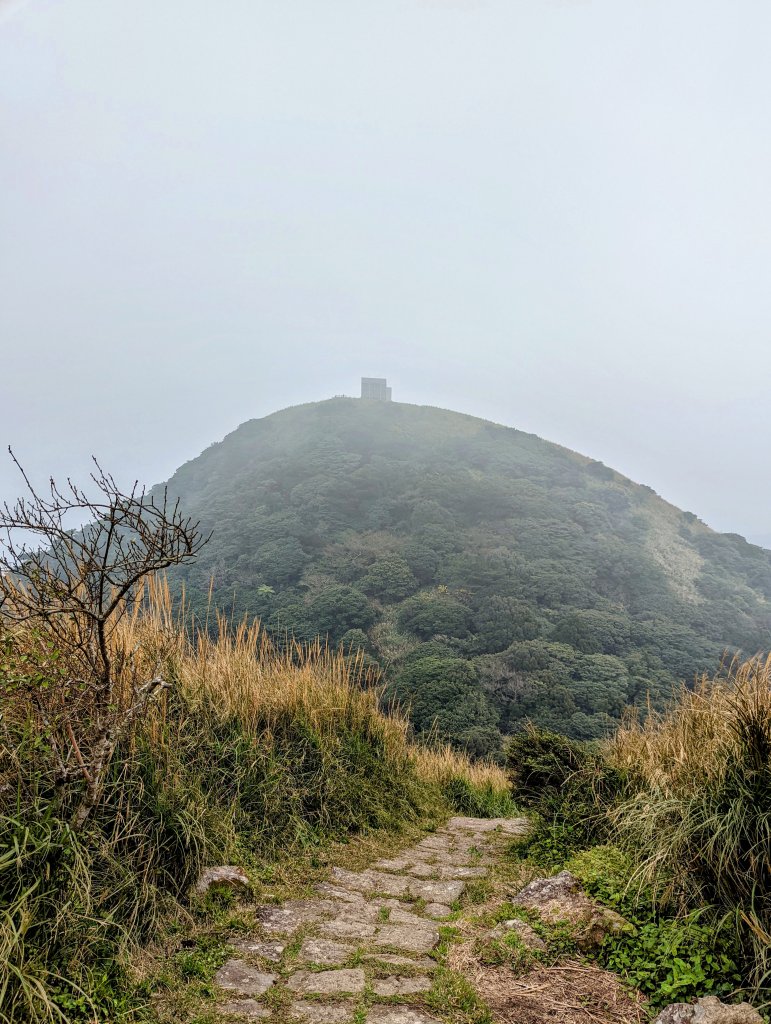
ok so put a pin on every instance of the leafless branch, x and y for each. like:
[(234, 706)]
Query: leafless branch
[(74, 584)]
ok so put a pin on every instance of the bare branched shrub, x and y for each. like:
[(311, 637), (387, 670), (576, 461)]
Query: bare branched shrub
[(66, 590)]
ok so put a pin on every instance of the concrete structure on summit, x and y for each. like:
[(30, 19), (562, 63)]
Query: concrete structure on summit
[(375, 388)]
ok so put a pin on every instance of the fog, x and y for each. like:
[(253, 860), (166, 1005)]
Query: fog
[(550, 214)]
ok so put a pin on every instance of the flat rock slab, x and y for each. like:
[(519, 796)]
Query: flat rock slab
[(336, 892), (282, 920), (422, 963), (239, 976), (322, 1013), (405, 917), (353, 921), (422, 870), (371, 881), (398, 864), (245, 1009), (514, 826), (401, 986), (464, 858), (474, 824), (328, 983), (437, 892), (435, 842), (324, 951), (272, 951), (398, 1015), (463, 872), (407, 937), (438, 910)]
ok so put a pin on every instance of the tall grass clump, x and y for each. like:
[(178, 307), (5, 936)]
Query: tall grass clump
[(699, 819), (250, 754), (477, 788)]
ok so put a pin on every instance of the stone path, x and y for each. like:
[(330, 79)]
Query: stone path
[(367, 937)]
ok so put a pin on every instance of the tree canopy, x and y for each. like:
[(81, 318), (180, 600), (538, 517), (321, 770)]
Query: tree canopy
[(496, 578)]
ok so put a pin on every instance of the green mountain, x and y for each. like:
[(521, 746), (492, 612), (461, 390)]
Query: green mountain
[(494, 576)]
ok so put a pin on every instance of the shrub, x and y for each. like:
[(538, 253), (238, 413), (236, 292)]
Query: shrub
[(541, 762), (571, 788)]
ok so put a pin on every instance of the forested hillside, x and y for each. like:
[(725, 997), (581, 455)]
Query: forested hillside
[(494, 576)]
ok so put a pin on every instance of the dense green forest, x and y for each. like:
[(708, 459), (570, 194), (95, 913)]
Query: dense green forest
[(495, 577)]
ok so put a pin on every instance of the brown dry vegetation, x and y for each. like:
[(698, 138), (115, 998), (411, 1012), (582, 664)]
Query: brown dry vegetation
[(570, 993)]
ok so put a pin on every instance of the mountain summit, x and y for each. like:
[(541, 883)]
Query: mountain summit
[(494, 576)]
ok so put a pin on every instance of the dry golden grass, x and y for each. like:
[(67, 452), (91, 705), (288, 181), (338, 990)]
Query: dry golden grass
[(238, 672), (678, 751), (441, 763)]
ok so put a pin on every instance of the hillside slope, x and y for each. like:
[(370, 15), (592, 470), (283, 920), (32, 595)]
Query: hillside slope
[(495, 576)]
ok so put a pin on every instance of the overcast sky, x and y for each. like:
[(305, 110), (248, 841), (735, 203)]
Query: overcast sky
[(551, 213)]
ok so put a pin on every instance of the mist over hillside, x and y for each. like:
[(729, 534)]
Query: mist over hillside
[(495, 577)]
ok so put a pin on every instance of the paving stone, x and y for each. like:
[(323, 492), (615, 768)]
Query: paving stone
[(509, 826), (401, 986), (272, 951), (422, 870), (246, 1009), (438, 910), (407, 937), (322, 1013), (466, 841), (438, 892), (327, 983), (281, 920), (336, 892), (324, 951), (423, 963), (358, 880), (371, 881), (406, 917), (390, 902), (398, 864), (391, 885), (398, 1015), (464, 859), (352, 921), (461, 872), (239, 976), (347, 928), (514, 826), (434, 843), (473, 824)]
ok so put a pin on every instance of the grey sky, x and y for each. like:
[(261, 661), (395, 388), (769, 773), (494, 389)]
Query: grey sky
[(551, 213)]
